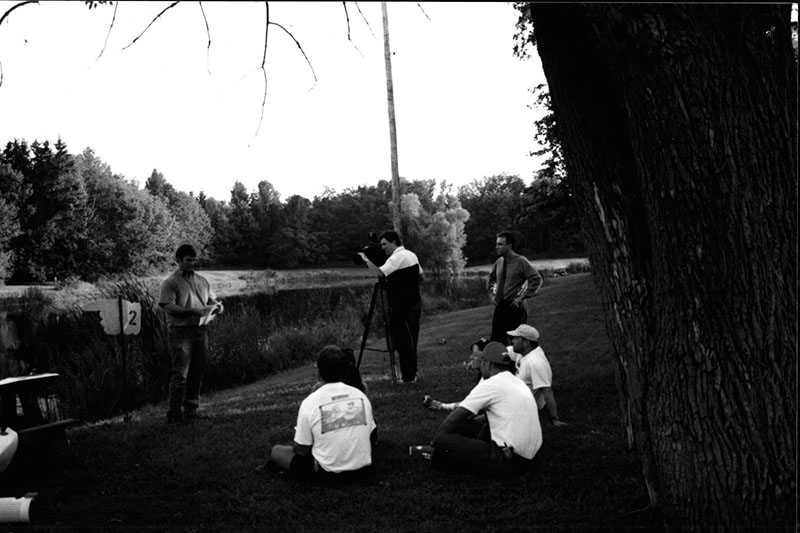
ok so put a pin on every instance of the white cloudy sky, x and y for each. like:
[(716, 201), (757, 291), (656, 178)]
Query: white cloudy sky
[(168, 102)]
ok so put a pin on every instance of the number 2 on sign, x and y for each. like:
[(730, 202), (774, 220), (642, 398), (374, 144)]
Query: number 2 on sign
[(133, 315)]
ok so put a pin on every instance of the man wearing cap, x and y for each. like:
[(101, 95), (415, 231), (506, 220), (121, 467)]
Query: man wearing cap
[(534, 369), (511, 281), (507, 440)]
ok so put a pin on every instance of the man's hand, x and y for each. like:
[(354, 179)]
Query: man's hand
[(517, 301), (205, 310)]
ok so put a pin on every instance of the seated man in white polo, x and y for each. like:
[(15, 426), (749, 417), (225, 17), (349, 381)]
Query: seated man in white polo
[(335, 429), (510, 436), (534, 369)]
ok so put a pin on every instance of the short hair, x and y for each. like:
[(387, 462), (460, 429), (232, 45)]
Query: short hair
[(185, 250), (508, 236), (331, 364), (391, 236)]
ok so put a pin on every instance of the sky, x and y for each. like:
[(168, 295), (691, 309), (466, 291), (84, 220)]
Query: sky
[(170, 102)]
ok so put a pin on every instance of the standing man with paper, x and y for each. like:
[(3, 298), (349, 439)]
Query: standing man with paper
[(190, 304)]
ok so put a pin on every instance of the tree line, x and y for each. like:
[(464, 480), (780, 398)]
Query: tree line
[(65, 216)]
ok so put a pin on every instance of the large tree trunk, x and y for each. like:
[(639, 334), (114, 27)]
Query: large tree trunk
[(680, 134)]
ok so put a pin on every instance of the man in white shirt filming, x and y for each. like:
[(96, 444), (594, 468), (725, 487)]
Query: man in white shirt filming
[(403, 275)]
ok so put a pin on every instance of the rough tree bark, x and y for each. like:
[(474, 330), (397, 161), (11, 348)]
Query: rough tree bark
[(679, 128)]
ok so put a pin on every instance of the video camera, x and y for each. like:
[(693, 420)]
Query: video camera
[(373, 251)]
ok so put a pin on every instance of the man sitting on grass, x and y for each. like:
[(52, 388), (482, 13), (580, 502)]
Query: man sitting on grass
[(509, 437), (534, 369), (335, 429)]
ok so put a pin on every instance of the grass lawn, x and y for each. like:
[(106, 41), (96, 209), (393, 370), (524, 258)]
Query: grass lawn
[(143, 474)]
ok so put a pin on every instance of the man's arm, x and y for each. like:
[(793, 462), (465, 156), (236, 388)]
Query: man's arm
[(551, 406), (177, 310), (533, 280), (371, 266), (455, 419), (301, 449), (492, 282)]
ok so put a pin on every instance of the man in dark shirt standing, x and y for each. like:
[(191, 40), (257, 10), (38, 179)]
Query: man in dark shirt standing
[(187, 299), (511, 282)]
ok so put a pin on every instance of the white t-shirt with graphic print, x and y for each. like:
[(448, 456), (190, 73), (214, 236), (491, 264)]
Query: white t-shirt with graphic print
[(336, 421)]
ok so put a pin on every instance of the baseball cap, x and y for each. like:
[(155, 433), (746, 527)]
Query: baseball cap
[(495, 352), (525, 331)]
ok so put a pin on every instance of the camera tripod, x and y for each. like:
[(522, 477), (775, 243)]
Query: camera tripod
[(379, 295)]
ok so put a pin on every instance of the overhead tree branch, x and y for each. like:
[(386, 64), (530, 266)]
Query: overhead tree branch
[(15, 6), (263, 69), (3, 18), (173, 4), (423, 11), (208, 32), (364, 18), (347, 17), (113, 19), (301, 51)]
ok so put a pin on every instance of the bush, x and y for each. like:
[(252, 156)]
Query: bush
[(257, 335)]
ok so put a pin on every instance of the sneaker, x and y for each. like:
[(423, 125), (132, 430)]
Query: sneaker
[(191, 416), (423, 450)]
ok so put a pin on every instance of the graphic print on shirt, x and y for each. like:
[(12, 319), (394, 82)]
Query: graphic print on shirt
[(343, 413)]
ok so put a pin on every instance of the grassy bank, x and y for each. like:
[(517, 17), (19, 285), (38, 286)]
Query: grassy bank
[(259, 334), (143, 474)]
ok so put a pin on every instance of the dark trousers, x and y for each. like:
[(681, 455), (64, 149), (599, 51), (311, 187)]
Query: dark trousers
[(305, 468), (471, 450), (404, 326), (188, 348), (506, 318)]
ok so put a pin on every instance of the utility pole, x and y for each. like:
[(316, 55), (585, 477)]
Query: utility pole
[(387, 52)]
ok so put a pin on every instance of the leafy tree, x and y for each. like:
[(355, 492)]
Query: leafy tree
[(243, 228), (158, 186), (9, 228), (131, 231), (548, 217), (267, 213), (436, 237), (678, 124), (343, 221), (295, 244), (51, 203), (492, 203), (192, 224), (219, 250)]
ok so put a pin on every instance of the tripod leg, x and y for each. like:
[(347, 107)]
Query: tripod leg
[(388, 333), (367, 325)]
